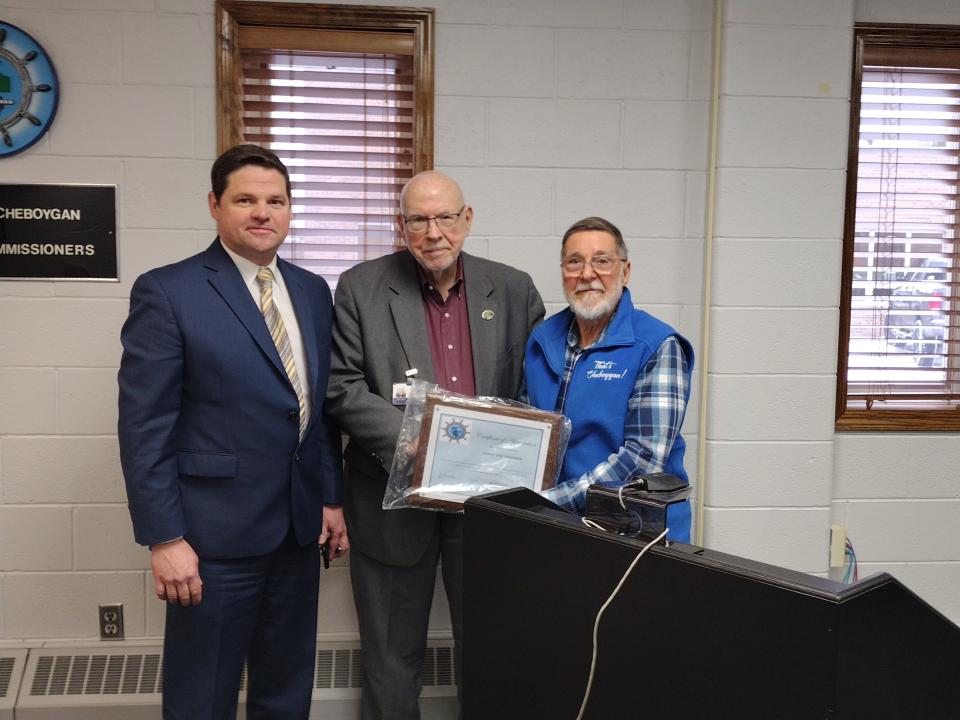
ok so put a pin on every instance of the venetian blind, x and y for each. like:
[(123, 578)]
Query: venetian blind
[(342, 122), (904, 306)]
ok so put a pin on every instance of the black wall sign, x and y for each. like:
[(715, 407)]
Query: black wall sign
[(58, 232)]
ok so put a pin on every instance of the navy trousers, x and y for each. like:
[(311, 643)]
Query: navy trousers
[(262, 609)]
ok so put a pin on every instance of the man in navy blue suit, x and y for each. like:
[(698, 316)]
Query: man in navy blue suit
[(233, 471)]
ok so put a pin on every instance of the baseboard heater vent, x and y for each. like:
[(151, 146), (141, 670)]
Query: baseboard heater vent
[(338, 668), (122, 682), (97, 674), (126, 683), (438, 666), (12, 663)]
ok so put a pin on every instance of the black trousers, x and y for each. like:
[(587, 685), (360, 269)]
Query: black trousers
[(393, 610)]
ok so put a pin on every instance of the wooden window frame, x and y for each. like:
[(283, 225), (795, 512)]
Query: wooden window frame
[(381, 22), (927, 39)]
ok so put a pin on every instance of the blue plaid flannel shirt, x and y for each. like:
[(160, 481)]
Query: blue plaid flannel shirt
[(654, 414)]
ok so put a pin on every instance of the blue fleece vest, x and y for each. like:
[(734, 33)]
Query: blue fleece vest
[(603, 381)]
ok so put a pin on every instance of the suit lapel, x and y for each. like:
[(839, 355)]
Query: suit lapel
[(303, 309), (228, 282), (406, 308), (484, 311)]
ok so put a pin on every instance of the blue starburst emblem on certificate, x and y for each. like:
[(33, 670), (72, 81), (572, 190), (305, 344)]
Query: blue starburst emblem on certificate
[(28, 91), (456, 431)]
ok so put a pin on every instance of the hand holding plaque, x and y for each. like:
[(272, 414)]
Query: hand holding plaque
[(453, 447)]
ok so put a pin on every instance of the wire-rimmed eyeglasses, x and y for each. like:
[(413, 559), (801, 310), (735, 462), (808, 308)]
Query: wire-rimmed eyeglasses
[(601, 264), (444, 221)]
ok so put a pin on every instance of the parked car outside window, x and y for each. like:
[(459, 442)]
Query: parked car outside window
[(916, 317)]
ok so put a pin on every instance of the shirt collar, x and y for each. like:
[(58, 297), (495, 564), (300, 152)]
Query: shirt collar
[(426, 282), (573, 334), (248, 270)]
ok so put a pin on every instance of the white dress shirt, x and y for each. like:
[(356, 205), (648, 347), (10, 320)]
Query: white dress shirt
[(281, 299)]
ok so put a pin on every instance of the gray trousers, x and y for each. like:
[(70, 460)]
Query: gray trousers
[(393, 610)]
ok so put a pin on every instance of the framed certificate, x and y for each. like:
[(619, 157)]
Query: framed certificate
[(467, 448)]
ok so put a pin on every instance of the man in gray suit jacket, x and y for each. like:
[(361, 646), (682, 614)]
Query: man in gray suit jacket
[(446, 317)]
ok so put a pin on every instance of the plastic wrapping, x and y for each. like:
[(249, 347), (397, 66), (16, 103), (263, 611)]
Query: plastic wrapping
[(452, 447)]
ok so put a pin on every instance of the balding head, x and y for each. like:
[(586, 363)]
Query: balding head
[(431, 182), (435, 221)]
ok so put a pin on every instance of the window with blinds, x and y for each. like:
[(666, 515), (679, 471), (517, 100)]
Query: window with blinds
[(343, 126), (899, 364), (344, 96)]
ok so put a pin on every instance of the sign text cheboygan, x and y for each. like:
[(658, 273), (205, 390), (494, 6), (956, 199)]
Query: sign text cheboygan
[(58, 232)]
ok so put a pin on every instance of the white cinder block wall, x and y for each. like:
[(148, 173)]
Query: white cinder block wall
[(779, 224), (548, 110)]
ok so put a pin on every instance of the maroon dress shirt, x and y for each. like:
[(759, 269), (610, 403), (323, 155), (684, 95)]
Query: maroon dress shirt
[(448, 329)]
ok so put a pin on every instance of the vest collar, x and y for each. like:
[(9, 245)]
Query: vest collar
[(552, 334)]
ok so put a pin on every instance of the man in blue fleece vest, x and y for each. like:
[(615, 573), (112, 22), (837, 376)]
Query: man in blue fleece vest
[(618, 373)]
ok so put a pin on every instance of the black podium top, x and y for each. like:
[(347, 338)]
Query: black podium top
[(693, 633)]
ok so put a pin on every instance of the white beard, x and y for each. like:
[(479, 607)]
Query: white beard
[(593, 307)]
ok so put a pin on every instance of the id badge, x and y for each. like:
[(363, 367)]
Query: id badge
[(399, 393)]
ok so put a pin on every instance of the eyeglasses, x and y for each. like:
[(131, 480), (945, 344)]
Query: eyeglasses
[(445, 221), (601, 264)]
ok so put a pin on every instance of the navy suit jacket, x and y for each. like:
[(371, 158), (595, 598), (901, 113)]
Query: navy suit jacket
[(208, 427)]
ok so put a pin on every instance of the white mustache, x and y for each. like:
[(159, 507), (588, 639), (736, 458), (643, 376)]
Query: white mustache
[(594, 285)]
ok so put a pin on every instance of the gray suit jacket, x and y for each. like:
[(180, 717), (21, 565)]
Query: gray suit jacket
[(380, 332)]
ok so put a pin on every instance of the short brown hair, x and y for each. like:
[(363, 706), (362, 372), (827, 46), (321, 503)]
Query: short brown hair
[(237, 157), (601, 225)]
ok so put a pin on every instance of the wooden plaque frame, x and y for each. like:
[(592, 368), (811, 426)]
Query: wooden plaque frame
[(555, 420)]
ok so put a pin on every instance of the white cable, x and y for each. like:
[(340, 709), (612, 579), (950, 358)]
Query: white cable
[(596, 622), (590, 523)]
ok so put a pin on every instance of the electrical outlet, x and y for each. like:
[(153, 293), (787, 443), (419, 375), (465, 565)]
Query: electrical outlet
[(111, 621), (838, 545)]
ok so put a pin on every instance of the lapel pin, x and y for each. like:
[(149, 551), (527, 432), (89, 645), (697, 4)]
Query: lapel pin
[(487, 314)]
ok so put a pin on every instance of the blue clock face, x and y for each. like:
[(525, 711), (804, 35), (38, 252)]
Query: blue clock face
[(28, 91)]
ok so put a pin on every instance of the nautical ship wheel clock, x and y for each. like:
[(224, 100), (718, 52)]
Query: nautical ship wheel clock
[(28, 91)]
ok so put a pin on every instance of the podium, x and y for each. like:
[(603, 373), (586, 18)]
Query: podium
[(692, 634)]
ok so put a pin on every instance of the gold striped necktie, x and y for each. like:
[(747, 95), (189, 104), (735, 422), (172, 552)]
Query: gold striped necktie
[(279, 334)]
